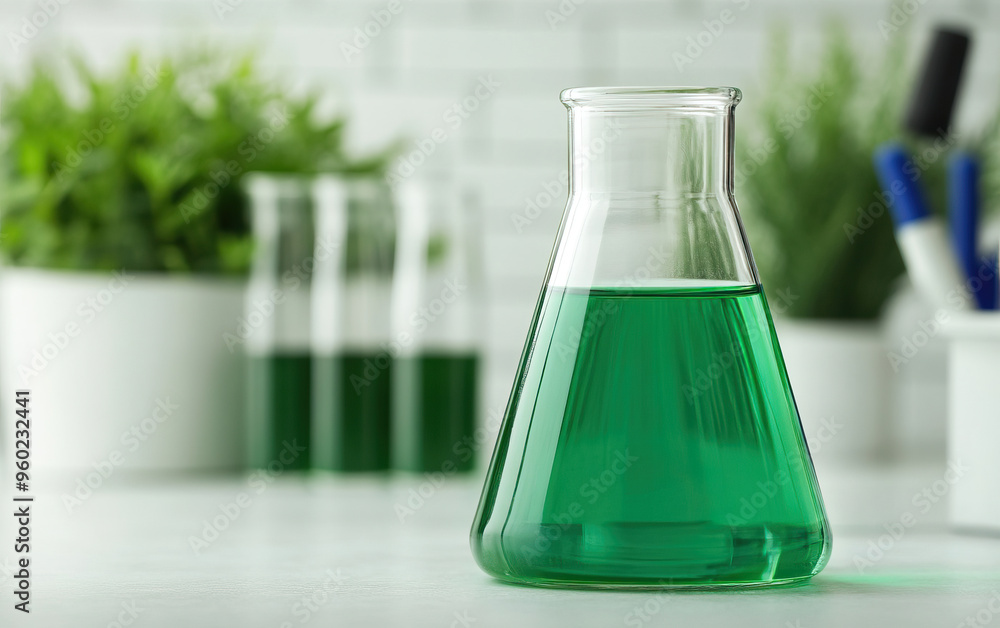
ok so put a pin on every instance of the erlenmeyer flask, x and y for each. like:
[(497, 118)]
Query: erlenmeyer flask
[(651, 438)]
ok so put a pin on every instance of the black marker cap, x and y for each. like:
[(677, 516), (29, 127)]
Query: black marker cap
[(934, 99)]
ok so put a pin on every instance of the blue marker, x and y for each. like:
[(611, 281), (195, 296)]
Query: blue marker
[(963, 215), (930, 261)]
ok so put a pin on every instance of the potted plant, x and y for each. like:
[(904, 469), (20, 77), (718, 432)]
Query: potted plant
[(824, 240), (125, 240)]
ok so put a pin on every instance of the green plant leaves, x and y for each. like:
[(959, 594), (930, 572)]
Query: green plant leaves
[(140, 169)]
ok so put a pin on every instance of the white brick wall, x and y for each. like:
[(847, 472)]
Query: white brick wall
[(431, 54)]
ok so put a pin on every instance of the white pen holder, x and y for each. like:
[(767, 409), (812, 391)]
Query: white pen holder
[(974, 420)]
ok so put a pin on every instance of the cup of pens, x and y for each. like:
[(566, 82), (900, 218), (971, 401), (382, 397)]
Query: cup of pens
[(954, 269)]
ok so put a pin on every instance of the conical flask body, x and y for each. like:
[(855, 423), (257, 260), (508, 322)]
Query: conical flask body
[(652, 438)]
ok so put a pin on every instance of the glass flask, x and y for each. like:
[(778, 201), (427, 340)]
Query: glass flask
[(352, 378), (435, 329), (651, 438), (277, 321)]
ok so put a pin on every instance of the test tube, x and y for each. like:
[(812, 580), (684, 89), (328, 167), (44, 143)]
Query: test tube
[(436, 330), (353, 365), (277, 321)]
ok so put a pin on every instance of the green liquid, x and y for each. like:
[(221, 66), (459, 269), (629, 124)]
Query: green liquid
[(436, 412), (353, 399), (279, 410), (651, 440)]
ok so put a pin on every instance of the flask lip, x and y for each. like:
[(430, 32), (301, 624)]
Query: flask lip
[(650, 97)]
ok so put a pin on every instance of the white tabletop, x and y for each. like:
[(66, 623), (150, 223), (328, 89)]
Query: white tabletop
[(127, 550)]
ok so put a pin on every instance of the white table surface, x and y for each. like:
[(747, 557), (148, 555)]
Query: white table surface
[(130, 544)]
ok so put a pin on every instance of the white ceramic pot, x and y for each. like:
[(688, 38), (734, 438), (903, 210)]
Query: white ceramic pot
[(839, 375), (125, 371)]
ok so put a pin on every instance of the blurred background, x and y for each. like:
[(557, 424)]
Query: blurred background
[(128, 125)]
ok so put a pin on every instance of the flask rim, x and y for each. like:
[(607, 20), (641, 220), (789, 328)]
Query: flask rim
[(650, 97)]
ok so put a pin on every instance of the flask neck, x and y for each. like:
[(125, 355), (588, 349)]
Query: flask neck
[(669, 151)]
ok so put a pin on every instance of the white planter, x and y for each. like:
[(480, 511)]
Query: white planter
[(839, 376), (125, 372)]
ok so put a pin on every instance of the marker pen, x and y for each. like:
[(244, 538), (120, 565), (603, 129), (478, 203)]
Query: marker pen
[(922, 238)]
